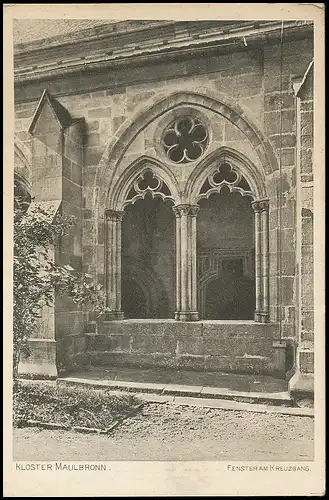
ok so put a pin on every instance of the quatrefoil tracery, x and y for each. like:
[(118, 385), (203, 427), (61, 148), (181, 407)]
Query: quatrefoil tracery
[(185, 140), (148, 183), (225, 176)]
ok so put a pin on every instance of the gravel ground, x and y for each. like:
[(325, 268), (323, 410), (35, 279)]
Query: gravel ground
[(171, 432)]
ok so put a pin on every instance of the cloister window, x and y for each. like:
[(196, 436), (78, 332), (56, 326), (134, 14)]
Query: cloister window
[(185, 140)]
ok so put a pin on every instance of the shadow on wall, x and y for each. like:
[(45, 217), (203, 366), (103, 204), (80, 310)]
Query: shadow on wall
[(230, 297), (148, 260), (225, 239)]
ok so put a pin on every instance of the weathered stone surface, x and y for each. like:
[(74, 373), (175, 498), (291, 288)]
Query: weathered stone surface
[(307, 231), (307, 291), (272, 102), (307, 322), (287, 289), (72, 192), (288, 157), (283, 140), (306, 361), (42, 360), (245, 84), (306, 160), (306, 122), (228, 345), (93, 156)]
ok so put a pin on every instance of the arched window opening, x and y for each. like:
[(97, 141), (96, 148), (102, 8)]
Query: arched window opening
[(148, 258), (134, 301), (225, 256)]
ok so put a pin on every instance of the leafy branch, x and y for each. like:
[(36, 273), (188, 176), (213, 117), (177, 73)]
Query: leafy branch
[(37, 276)]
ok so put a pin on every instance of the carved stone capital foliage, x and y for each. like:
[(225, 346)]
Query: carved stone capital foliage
[(186, 210), (114, 215), (264, 205), (194, 210), (260, 205), (256, 206)]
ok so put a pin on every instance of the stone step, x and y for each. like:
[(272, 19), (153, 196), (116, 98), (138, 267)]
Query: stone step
[(169, 343), (225, 329), (228, 364), (171, 390), (228, 346)]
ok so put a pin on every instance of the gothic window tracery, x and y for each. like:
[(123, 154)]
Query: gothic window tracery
[(185, 140), (149, 183), (225, 177)]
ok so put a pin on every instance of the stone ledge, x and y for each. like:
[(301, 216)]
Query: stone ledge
[(240, 406), (196, 392)]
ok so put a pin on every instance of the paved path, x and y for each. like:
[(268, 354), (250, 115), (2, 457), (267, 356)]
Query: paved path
[(171, 432)]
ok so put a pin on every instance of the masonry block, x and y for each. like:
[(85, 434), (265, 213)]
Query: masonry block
[(104, 112), (307, 260), (272, 102), (287, 289), (72, 192), (307, 231), (93, 155), (307, 291), (306, 160), (288, 263), (41, 362), (306, 361), (307, 321)]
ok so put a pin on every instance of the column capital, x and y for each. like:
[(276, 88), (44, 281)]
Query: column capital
[(187, 210), (260, 205), (264, 205), (114, 215)]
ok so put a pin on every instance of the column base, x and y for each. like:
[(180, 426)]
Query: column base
[(113, 315), (301, 386), (186, 316), (261, 317)]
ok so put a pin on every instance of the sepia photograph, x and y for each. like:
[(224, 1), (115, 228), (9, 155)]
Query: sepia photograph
[(164, 253)]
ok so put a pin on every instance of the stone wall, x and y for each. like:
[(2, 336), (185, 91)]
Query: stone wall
[(239, 347), (251, 80), (57, 162)]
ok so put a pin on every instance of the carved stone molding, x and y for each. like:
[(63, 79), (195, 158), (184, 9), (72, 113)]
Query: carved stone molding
[(225, 176), (114, 215), (186, 210), (148, 182), (260, 205)]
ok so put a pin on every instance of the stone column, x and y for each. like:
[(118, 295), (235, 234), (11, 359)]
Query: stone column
[(186, 268), (264, 205), (113, 265), (258, 260)]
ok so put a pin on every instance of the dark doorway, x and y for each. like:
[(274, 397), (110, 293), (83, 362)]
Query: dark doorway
[(148, 259)]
